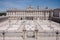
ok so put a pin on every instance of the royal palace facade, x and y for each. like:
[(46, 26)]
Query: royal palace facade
[(29, 13)]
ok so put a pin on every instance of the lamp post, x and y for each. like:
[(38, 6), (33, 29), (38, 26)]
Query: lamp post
[(57, 35), (24, 34), (36, 30), (3, 35)]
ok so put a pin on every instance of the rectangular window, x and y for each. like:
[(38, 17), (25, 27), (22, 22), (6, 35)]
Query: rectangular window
[(56, 14)]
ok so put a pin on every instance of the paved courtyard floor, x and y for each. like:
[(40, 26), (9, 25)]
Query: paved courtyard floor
[(29, 30)]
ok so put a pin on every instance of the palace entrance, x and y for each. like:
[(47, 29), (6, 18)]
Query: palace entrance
[(29, 18)]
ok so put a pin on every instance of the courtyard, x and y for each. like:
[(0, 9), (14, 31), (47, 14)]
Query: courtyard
[(29, 30)]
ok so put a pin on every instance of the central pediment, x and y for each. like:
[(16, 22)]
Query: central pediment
[(30, 8)]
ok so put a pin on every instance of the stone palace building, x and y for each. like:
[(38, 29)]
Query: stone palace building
[(29, 13)]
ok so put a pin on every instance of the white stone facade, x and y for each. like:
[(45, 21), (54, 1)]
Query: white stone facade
[(33, 14)]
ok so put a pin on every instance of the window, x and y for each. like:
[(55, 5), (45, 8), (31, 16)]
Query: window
[(56, 14)]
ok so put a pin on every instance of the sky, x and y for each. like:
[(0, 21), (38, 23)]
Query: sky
[(21, 4)]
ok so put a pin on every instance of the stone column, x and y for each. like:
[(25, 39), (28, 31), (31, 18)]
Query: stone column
[(7, 13), (51, 13), (59, 14), (44, 15), (47, 15)]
